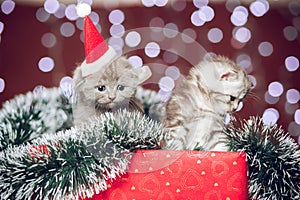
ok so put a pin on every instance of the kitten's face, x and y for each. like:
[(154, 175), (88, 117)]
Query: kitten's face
[(235, 85), (113, 86), (227, 84)]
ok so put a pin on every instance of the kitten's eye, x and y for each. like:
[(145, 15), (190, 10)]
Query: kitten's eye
[(232, 98), (101, 88), (120, 87)]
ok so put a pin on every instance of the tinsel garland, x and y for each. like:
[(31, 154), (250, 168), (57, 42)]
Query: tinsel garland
[(77, 162), (28, 116), (273, 159)]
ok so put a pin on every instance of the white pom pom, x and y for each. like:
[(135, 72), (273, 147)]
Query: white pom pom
[(83, 9)]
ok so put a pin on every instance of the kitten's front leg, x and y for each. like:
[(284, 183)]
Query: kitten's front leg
[(175, 138)]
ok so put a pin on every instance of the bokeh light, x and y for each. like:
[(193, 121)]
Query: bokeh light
[(95, 18), (60, 13), (42, 15), (206, 13), (178, 5), (135, 61), (231, 4), (290, 33), (116, 42), (133, 39), (7, 6), (170, 30), (244, 61), (148, 3), (156, 22), (160, 3), (297, 116), (116, 17), (2, 85), (239, 16), (196, 19), (166, 84), (170, 56), (152, 49), (294, 7), (188, 35), (253, 80), (67, 29), (38, 90), (294, 129), (67, 86), (117, 30), (290, 108), (275, 89), (291, 63), (51, 6), (46, 64), (173, 72), (270, 99), (200, 3), (48, 40), (270, 116), (265, 49), (215, 35), (241, 34), (1, 27), (259, 7), (292, 96), (71, 12), (164, 95)]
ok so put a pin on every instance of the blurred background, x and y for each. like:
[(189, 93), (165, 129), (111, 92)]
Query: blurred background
[(41, 44)]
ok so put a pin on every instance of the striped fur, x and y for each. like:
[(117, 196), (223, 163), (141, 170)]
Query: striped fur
[(196, 110)]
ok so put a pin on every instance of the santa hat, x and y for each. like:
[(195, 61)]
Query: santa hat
[(98, 53)]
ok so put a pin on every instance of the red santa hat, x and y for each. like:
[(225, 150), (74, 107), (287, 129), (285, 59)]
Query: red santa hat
[(98, 53)]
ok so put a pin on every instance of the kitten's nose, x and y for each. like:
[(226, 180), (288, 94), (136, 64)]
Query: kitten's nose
[(112, 98)]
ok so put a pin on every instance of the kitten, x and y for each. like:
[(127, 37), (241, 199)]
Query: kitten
[(195, 112), (108, 90)]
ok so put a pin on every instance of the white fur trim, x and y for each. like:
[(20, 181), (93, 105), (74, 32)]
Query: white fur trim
[(104, 60)]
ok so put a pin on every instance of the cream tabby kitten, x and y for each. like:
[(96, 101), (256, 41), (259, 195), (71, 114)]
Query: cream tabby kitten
[(108, 90), (195, 112)]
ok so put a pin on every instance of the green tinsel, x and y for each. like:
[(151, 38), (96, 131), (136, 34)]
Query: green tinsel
[(76, 162), (273, 159), (29, 116)]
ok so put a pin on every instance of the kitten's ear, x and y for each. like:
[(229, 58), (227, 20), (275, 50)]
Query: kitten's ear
[(227, 76), (144, 73)]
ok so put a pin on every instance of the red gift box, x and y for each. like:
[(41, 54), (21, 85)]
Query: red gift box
[(181, 175)]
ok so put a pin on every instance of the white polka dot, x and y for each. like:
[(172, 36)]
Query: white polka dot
[(270, 116), (215, 35), (116, 17), (297, 116), (291, 63), (2, 85), (275, 89), (135, 61), (265, 49), (71, 12), (67, 29), (152, 49), (290, 33), (117, 30), (46, 64), (166, 84), (133, 39), (172, 72), (292, 96), (196, 19)]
